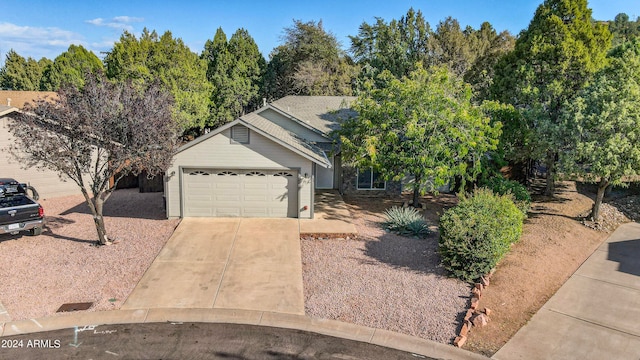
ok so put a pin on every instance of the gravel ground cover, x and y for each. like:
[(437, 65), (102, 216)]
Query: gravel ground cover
[(63, 265), (383, 280)]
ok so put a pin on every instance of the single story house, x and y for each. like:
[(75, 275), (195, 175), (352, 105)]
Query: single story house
[(267, 163), (46, 182)]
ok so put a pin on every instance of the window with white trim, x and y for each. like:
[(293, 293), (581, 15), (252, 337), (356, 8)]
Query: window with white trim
[(239, 134), (199, 172), (370, 179)]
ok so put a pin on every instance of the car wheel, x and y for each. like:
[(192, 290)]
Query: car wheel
[(35, 231)]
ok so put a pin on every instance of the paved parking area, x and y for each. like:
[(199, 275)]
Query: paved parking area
[(226, 263)]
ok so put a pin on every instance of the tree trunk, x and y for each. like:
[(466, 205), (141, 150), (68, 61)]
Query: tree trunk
[(98, 219), (96, 205), (602, 186), (551, 186), (416, 191)]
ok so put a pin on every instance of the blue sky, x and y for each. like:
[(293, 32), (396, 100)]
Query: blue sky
[(37, 28)]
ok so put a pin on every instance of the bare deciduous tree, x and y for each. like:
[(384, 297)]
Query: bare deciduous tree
[(104, 130)]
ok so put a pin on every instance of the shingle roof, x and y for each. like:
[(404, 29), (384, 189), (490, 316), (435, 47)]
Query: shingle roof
[(324, 113), (294, 141), (20, 98)]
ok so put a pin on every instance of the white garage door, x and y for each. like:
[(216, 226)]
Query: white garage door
[(245, 193)]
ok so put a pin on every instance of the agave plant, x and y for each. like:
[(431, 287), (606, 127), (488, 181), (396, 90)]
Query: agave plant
[(405, 221)]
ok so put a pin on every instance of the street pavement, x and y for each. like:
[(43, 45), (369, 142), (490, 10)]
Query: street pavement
[(191, 341)]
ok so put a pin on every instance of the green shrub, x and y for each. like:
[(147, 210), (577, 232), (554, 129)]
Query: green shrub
[(502, 186), (477, 233), (405, 221)]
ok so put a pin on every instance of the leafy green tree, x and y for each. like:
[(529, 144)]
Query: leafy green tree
[(247, 72), (396, 46), (605, 122), (235, 70), (489, 47), (552, 60), (19, 73), (103, 130), (515, 135), (219, 63), (623, 29), (168, 60), (453, 47), (70, 67), (424, 126), (309, 62)]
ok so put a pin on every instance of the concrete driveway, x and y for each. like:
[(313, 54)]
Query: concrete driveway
[(226, 263)]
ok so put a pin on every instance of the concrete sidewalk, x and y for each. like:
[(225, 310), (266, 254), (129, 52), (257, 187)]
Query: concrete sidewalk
[(331, 215), (595, 314), (226, 263)]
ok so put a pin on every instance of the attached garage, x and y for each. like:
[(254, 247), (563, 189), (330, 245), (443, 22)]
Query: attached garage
[(244, 193), (250, 167)]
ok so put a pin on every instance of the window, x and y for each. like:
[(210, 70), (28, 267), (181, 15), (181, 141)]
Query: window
[(370, 180), (239, 134), (199, 172), (283, 173)]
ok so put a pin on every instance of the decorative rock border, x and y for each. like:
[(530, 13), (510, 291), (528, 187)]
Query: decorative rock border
[(475, 316), (327, 236)]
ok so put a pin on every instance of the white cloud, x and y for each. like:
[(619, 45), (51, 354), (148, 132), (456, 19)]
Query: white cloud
[(12, 31), (36, 42), (118, 22), (127, 19), (96, 21)]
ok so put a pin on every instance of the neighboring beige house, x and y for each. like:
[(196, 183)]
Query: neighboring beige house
[(46, 182), (265, 164)]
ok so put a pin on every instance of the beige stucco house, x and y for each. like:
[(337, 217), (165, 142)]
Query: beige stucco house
[(267, 163), (47, 183)]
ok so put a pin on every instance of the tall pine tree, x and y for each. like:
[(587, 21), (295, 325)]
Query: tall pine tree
[(234, 69), (70, 68), (19, 73), (553, 58), (168, 60)]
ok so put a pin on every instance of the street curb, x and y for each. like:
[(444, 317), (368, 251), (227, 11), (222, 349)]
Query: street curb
[(333, 328)]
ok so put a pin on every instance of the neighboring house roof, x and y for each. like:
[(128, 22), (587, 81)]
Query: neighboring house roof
[(5, 110), (20, 98), (324, 113)]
